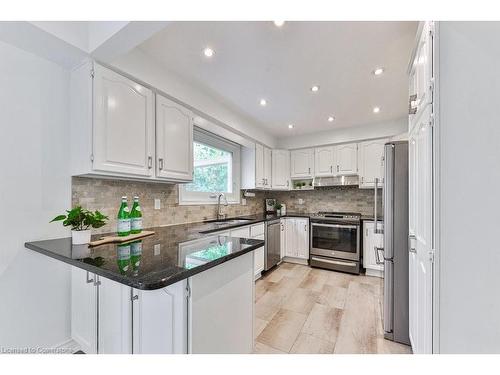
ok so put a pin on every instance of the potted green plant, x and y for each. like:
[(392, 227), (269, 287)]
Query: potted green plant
[(81, 220), (278, 207)]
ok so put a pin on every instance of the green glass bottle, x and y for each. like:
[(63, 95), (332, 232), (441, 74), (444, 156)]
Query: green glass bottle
[(123, 219), (136, 217), (135, 255), (123, 258)]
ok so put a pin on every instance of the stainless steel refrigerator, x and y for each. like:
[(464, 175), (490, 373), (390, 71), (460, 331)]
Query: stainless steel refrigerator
[(395, 250)]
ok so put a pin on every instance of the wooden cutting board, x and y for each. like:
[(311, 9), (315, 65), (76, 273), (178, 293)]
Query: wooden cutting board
[(121, 239)]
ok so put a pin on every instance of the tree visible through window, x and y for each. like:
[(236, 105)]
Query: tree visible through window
[(212, 169)]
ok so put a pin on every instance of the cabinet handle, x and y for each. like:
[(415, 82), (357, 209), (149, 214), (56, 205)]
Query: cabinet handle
[(89, 281), (305, 227), (410, 248), (160, 161), (337, 168), (331, 169), (150, 162), (362, 180), (412, 109), (309, 170), (287, 183), (97, 282)]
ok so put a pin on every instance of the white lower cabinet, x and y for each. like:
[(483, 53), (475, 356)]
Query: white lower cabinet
[(296, 238), (255, 232), (372, 241), (84, 310), (111, 318)]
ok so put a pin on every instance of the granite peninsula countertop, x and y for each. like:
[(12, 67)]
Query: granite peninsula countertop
[(172, 254)]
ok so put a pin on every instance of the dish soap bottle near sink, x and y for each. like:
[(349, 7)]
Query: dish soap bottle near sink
[(123, 219), (136, 217)]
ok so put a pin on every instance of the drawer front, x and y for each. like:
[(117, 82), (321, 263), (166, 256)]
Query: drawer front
[(256, 230)]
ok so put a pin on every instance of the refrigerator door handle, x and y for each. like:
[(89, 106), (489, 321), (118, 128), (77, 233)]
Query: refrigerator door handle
[(377, 255), (388, 296)]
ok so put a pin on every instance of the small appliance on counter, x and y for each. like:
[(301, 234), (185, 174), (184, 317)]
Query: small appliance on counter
[(269, 204)]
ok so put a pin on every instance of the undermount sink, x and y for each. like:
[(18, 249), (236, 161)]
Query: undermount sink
[(229, 221)]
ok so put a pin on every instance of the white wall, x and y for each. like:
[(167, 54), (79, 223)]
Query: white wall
[(34, 186), (139, 65), (350, 134), (469, 84)]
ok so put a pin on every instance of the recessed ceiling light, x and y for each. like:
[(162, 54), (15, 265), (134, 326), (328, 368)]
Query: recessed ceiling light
[(208, 52), (331, 118), (315, 88), (263, 102), (376, 109), (290, 126), (279, 23), (378, 71)]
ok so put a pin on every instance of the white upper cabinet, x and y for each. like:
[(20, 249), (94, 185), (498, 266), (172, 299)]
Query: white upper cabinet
[(421, 73), (302, 163), (123, 131), (174, 141), (346, 159), (280, 170), (259, 166), (114, 131), (371, 163), (324, 161), (268, 178), (256, 167)]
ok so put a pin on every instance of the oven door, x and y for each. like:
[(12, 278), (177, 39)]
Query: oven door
[(335, 240)]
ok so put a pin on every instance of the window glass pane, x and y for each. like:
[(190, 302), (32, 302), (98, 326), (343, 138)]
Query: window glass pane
[(212, 169)]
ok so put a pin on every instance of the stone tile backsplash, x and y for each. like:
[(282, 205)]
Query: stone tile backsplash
[(104, 195)]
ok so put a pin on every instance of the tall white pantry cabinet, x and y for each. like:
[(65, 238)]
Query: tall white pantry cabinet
[(121, 128)]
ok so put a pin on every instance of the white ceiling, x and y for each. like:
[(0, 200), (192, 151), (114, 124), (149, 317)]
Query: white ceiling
[(255, 60)]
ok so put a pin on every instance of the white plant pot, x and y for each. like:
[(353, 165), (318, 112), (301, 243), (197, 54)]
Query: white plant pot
[(80, 237)]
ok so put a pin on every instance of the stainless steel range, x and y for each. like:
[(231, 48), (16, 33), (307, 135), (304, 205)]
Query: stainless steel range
[(335, 241)]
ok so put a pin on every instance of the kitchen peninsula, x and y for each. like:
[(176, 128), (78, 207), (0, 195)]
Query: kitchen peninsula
[(168, 299)]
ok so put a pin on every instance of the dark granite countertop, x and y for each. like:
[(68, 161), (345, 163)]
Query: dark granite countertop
[(172, 254)]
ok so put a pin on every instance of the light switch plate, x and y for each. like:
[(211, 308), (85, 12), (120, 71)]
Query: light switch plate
[(243, 202), (157, 204), (301, 201)]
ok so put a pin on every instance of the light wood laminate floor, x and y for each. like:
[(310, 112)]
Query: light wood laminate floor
[(304, 310)]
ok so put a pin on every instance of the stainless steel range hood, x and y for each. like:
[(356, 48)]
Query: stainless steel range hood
[(336, 181)]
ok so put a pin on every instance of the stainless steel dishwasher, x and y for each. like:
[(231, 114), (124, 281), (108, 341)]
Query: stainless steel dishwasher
[(273, 244)]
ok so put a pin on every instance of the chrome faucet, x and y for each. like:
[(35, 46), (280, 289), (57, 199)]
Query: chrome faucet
[(220, 214)]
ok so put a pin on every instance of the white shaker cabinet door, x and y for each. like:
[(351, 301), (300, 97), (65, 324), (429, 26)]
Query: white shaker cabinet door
[(123, 127), (346, 157), (371, 163), (280, 169), (302, 163), (259, 166), (267, 168), (324, 161), (84, 310), (174, 140), (302, 235)]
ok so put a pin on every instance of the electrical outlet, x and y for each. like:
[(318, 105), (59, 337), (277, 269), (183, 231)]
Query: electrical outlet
[(243, 202), (157, 204), (301, 201), (156, 249)]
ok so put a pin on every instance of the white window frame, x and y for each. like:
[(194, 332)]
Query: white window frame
[(198, 198)]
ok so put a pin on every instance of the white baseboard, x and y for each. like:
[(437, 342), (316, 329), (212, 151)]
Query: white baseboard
[(376, 273), (296, 260)]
